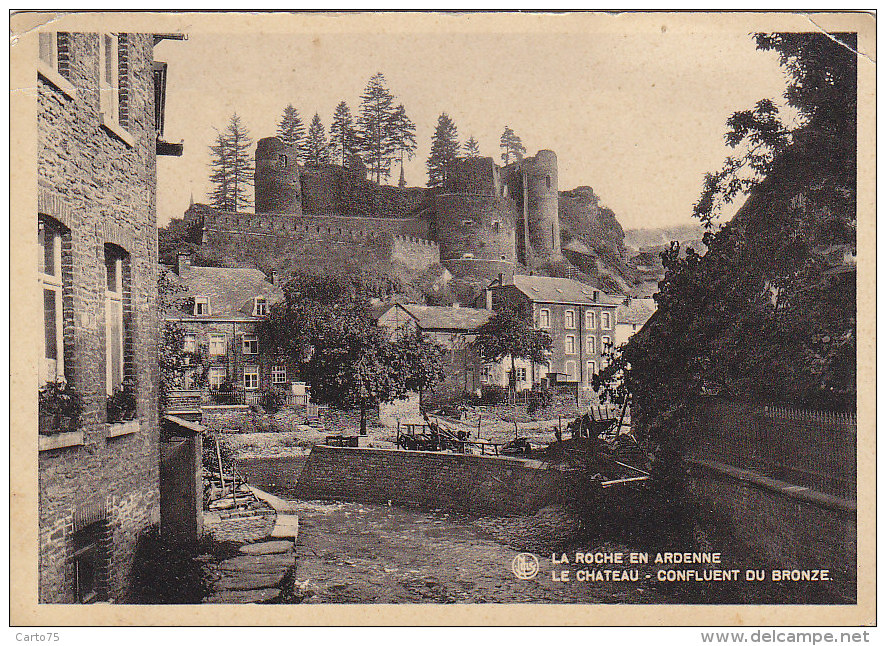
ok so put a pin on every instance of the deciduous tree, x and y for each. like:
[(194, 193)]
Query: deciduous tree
[(507, 334)]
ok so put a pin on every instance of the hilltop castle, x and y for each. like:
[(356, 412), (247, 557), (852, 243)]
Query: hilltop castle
[(484, 222)]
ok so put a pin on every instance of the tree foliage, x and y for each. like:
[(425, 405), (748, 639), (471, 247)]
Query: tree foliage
[(376, 139), (768, 312), (316, 150), (291, 130), (471, 147), (506, 334), (324, 328), (511, 145), (402, 135), (231, 169), (342, 136), (174, 362), (444, 151)]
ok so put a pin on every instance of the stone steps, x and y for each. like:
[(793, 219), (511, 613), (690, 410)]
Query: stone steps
[(254, 576)]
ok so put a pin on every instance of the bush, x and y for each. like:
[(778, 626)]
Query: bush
[(273, 400), (59, 407), (539, 399), (121, 405), (492, 395)]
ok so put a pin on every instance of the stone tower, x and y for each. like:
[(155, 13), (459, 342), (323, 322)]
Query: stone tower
[(277, 183), (542, 205)]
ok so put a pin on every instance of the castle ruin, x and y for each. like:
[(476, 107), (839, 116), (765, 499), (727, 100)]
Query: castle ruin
[(484, 222)]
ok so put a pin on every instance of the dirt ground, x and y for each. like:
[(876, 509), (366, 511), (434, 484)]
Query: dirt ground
[(355, 553)]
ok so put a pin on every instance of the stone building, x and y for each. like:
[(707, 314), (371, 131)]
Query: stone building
[(219, 309), (632, 315), (99, 127), (580, 319)]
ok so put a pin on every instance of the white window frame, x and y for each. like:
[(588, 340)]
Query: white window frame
[(51, 369), (521, 373), (260, 300), (568, 340), (250, 344), (214, 373), (485, 374), (606, 320), (250, 377), (216, 339), (190, 343), (278, 375), (606, 343), (544, 318), (114, 359), (590, 320), (592, 369), (569, 319), (109, 88), (591, 344), (202, 300)]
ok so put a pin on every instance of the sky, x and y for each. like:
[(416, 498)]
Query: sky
[(638, 117)]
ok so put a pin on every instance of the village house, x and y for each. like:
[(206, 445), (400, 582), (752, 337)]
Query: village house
[(632, 316), (99, 126), (218, 311), (580, 319)]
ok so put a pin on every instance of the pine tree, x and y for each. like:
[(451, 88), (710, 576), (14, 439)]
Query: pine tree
[(472, 147), (342, 137), (403, 136), (316, 148), (444, 151), (231, 170), (291, 129), (376, 141), (511, 145)]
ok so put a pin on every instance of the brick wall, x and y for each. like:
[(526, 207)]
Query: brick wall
[(103, 190), (276, 475), (472, 483)]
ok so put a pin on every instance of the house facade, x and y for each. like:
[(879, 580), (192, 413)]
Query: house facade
[(581, 321), (99, 127), (218, 309), (632, 316)]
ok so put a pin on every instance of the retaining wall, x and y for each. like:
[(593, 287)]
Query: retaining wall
[(275, 475), (472, 483)]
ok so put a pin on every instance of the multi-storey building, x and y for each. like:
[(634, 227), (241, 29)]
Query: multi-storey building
[(580, 319), (99, 127), (219, 309)]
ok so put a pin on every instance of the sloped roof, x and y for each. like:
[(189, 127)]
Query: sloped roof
[(231, 290), (543, 289), (434, 317), (637, 311)]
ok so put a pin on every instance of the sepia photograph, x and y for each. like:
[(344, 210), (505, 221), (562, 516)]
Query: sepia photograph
[(570, 315)]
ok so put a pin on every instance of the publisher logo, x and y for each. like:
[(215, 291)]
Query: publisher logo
[(525, 566)]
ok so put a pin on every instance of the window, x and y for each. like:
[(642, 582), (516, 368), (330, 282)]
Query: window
[(109, 82), (485, 374), (570, 371), (217, 376), (88, 563), (278, 374), (48, 49), (284, 161), (591, 344), (201, 306), (217, 345), (590, 320), (592, 369), (250, 345), (570, 344), (521, 374), (250, 377), (50, 282), (569, 319), (190, 343), (606, 320), (544, 318), (606, 342), (496, 226), (548, 181), (114, 324), (261, 306)]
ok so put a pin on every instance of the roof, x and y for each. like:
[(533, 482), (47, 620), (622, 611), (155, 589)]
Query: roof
[(434, 317), (231, 290), (636, 311), (543, 289)]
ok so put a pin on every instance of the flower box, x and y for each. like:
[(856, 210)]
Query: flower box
[(123, 428)]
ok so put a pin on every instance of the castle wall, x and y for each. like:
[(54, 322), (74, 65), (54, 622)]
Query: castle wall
[(335, 190), (543, 205)]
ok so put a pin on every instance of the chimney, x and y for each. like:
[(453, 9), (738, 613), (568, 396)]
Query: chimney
[(596, 295), (184, 263), (488, 299), (274, 278)]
